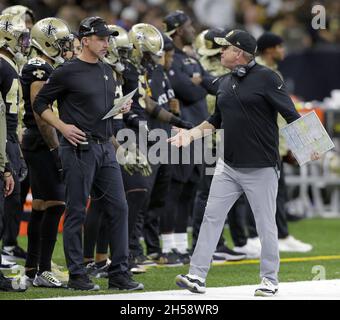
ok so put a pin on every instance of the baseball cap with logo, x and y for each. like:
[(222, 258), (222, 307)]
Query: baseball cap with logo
[(174, 20), (95, 26), (240, 39)]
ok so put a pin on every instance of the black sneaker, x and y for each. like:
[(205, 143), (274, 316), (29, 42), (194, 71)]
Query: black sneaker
[(142, 260), (98, 270), (14, 254), (123, 281), (184, 257), (6, 284), (228, 254), (170, 259), (193, 285), (82, 282)]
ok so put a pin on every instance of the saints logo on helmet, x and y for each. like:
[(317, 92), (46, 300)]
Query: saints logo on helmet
[(26, 14), (145, 39), (52, 37), (13, 35), (119, 49)]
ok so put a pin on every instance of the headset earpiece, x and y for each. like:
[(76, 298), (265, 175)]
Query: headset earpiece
[(241, 71)]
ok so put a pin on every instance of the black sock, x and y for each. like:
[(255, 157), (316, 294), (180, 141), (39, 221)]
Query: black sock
[(49, 231), (33, 239), (31, 273)]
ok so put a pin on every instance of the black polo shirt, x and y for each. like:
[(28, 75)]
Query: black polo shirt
[(251, 136), (85, 92)]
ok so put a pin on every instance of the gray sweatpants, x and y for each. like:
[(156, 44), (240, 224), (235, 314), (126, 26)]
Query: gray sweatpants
[(260, 186)]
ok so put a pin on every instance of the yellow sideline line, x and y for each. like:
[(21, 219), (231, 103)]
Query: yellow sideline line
[(282, 260)]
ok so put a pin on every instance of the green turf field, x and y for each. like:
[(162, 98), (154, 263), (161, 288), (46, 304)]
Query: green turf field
[(323, 234)]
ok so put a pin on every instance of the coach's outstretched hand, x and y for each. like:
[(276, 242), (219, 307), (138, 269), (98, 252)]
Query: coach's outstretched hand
[(182, 139)]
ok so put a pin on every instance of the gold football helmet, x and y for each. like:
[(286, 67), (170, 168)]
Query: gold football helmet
[(119, 49), (145, 39), (13, 34), (26, 13), (52, 37)]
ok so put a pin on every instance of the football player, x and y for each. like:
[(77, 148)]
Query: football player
[(51, 40)]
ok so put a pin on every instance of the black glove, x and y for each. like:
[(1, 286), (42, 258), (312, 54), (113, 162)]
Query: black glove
[(178, 122), (23, 171), (57, 162)]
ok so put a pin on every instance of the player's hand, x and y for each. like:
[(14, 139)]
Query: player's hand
[(9, 183), (181, 139), (126, 107), (73, 134)]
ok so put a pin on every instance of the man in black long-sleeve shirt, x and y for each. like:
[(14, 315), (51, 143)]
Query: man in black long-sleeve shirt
[(248, 100), (85, 89)]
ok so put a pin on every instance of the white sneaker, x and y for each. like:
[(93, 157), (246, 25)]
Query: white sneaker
[(6, 264), (250, 251), (192, 283), (255, 242), (266, 289), (290, 244)]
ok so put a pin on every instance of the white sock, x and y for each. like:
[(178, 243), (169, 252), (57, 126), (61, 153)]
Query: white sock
[(181, 242), (168, 242), (193, 276)]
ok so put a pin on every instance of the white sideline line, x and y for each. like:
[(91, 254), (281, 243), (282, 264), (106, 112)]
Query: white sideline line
[(303, 290)]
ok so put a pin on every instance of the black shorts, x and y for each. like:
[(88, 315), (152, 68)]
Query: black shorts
[(45, 182)]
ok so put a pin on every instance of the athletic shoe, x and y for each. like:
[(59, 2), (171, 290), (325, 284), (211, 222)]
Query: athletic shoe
[(6, 284), (249, 251), (98, 270), (169, 259), (7, 265), (191, 283), (124, 281), (136, 269), (142, 260), (228, 254), (47, 280), (290, 244), (184, 257), (14, 254), (255, 242), (266, 289), (82, 282), (217, 259)]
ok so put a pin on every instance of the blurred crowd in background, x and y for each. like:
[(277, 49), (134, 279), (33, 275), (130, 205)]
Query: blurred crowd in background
[(289, 18)]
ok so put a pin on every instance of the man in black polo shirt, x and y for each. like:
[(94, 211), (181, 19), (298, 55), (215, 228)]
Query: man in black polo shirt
[(248, 100), (85, 89)]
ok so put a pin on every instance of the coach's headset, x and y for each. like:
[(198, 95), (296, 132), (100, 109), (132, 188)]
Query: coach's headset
[(242, 70)]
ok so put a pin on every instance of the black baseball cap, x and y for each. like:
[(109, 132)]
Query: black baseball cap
[(240, 39), (268, 40), (174, 20), (95, 26)]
